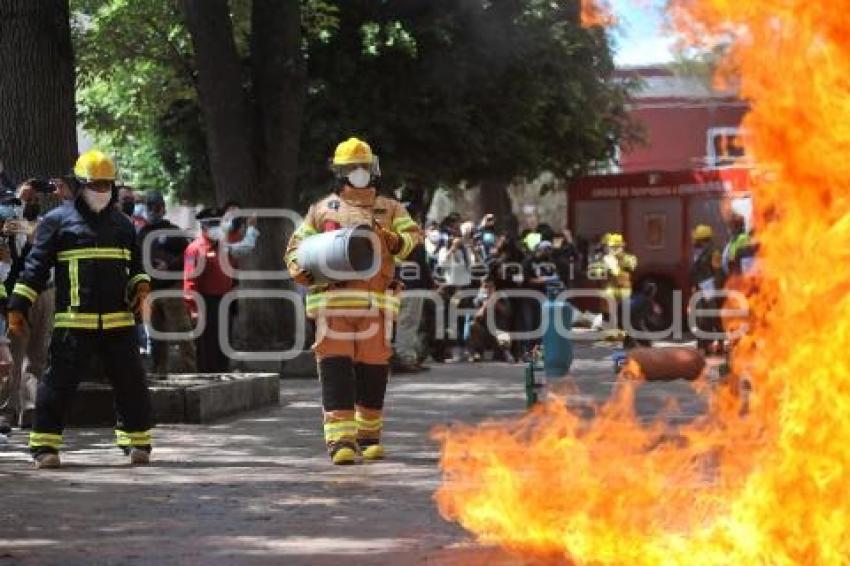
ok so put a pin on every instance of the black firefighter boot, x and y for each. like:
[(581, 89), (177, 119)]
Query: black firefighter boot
[(337, 380), (371, 390)]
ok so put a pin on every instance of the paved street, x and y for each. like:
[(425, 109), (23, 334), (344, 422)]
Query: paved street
[(258, 489)]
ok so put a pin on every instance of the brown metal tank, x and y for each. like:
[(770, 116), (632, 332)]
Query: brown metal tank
[(665, 364)]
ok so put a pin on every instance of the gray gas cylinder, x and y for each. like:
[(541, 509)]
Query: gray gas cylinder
[(348, 254)]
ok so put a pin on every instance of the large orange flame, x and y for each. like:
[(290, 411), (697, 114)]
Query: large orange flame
[(771, 486)]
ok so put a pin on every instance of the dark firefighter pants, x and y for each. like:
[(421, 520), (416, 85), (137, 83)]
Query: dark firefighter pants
[(208, 345), (352, 401), (71, 353)]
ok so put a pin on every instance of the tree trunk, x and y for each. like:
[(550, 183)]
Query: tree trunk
[(279, 88), (494, 199), (279, 82), (254, 141), (38, 130), (224, 102)]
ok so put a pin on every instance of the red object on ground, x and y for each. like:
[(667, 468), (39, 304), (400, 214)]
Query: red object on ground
[(666, 364)]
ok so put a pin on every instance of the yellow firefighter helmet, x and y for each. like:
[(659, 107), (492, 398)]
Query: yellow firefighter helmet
[(352, 154), (614, 239), (702, 232), (353, 151), (95, 165)]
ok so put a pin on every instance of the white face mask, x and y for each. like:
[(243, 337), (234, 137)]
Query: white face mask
[(97, 201), (214, 234), (359, 178)]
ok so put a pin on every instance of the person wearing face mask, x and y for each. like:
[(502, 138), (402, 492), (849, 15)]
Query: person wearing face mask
[(140, 211), (203, 275), (352, 347), (100, 284), (30, 348), (166, 245), (485, 236), (433, 239)]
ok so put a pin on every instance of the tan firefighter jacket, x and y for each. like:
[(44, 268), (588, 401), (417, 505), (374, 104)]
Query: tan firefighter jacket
[(353, 207)]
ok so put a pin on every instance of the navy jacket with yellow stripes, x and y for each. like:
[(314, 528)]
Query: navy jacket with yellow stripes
[(97, 267)]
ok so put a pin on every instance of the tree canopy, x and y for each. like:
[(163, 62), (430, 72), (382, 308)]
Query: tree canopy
[(135, 91), (446, 90), (452, 91)]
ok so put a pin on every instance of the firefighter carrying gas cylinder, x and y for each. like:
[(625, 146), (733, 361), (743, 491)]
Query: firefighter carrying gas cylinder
[(99, 284), (354, 317)]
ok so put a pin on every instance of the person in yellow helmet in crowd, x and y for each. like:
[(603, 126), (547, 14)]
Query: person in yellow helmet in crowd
[(99, 284), (618, 268), (706, 276), (354, 366)]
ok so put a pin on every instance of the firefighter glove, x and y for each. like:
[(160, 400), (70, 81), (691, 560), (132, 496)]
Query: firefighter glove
[(390, 238), (300, 276), (140, 298), (16, 322)]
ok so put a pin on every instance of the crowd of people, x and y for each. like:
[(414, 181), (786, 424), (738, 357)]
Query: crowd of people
[(471, 265)]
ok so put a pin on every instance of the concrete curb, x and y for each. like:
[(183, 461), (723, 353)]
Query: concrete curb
[(186, 398)]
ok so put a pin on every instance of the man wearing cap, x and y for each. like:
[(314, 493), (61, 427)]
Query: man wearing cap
[(99, 285), (163, 245), (205, 280)]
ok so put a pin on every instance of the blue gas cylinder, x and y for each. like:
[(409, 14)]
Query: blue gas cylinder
[(557, 346)]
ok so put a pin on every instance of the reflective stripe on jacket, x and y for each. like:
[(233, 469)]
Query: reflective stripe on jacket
[(351, 208), (97, 267), (352, 300), (619, 274)]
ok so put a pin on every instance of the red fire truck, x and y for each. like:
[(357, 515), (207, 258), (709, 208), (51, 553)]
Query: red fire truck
[(656, 212)]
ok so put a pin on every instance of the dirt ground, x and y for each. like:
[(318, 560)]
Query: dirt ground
[(258, 489)]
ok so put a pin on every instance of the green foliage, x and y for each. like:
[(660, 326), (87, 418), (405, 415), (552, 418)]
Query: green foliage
[(135, 92), (446, 90), (452, 90)]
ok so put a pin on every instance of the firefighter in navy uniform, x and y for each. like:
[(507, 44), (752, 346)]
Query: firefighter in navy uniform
[(354, 371), (99, 284), (707, 278)]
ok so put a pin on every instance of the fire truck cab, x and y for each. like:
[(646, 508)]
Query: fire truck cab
[(656, 213)]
